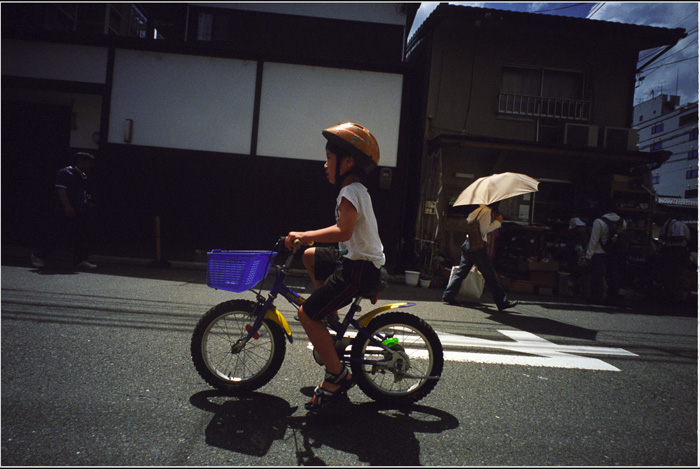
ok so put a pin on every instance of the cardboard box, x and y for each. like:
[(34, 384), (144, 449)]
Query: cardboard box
[(544, 278), (544, 266), (517, 286)]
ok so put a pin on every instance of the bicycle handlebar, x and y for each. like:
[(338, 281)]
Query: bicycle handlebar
[(297, 243)]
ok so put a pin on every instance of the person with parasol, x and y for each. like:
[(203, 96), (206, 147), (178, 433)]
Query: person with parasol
[(485, 192)]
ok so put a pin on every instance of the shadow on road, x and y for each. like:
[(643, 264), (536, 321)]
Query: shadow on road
[(378, 435), (533, 324), (546, 326)]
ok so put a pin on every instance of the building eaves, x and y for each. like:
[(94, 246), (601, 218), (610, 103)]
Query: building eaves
[(583, 29), (535, 148), (678, 202)]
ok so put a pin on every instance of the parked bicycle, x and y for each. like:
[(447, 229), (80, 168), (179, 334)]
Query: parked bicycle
[(239, 345)]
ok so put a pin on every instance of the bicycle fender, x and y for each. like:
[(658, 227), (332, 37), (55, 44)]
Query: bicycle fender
[(367, 317), (276, 316)]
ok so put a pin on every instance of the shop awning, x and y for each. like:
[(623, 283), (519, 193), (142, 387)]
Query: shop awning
[(631, 158)]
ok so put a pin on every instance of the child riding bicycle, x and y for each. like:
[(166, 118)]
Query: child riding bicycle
[(339, 274)]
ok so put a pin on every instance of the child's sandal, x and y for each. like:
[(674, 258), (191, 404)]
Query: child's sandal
[(323, 396)]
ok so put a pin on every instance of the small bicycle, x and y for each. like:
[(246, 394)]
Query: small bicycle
[(239, 345)]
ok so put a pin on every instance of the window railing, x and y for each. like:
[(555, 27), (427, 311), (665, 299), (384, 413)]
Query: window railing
[(538, 106)]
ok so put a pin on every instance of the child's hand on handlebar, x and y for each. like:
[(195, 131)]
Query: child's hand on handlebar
[(299, 236)]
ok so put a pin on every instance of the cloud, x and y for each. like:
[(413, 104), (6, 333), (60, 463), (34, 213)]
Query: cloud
[(676, 72), (534, 7), (425, 9)]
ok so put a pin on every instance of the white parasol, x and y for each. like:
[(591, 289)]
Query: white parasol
[(490, 189)]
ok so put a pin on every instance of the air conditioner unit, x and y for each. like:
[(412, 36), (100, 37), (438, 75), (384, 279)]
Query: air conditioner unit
[(581, 135), (620, 139)]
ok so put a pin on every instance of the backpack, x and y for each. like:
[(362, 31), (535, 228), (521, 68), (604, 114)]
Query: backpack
[(618, 240), (476, 242), (665, 234)]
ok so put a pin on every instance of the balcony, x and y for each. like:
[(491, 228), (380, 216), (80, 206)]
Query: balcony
[(538, 106)]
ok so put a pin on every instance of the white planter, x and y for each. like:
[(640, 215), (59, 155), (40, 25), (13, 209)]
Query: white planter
[(425, 283), (412, 278)]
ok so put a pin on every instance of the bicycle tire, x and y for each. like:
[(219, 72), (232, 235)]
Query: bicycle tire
[(251, 368), (390, 382)]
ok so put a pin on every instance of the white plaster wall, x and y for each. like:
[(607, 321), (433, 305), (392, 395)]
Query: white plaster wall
[(180, 101), (298, 102)]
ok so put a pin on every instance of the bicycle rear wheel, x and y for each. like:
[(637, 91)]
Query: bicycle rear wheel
[(403, 377), (224, 367)]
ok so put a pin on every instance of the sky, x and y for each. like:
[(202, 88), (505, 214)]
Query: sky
[(675, 73)]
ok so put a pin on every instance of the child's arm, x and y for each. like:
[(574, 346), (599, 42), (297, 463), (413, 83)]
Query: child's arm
[(342, 231)]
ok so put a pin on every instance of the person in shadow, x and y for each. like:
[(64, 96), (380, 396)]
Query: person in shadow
[(605, 267), (480, 222), (71, 220)]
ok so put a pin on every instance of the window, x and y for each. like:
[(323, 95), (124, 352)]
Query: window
[(542, 82), (694, 135), (561, 84), (688, 119), (691, 174), (212, 27), (522, 81), (691, 194), (537, 92), (205, 22), (655, 179), (657, 128), (656, 146), (693, 155)]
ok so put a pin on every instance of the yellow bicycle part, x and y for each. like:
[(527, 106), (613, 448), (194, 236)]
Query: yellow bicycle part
[(367, 317), (277, 317)]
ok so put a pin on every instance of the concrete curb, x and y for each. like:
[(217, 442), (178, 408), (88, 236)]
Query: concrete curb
[(138, 261), (193, 265)]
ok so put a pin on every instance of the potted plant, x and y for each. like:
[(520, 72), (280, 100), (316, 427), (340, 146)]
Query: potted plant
[(433, 273), (426, 276), (413, 269), (430, 269)]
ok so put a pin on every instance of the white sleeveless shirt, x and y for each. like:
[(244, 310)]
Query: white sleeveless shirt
[(365, 244)]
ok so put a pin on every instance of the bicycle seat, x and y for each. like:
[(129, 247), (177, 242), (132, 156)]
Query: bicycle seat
[(372, 293)]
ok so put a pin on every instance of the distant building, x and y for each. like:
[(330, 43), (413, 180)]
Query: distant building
[(548, 96), (664, 125)]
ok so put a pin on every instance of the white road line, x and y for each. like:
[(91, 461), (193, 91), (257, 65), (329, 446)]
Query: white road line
[(534, 350), (531, 349)]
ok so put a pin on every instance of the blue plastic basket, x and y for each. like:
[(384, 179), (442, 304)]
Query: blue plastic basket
[(237, 271)]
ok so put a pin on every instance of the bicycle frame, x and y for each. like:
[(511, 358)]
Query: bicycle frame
[(280, 288)]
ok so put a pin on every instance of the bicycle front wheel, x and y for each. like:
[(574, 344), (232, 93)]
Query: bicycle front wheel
[(221, 362), (410, 372)]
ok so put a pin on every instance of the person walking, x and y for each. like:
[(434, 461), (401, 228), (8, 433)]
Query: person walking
[(674, 256), (604, 265), (71, 219), (480, 222)]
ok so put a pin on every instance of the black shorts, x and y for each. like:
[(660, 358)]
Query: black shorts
[(344, 280)]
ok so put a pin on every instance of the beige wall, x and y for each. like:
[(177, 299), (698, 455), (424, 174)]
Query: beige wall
[(465, 81)]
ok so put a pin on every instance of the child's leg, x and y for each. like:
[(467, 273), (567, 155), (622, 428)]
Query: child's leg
[(323, 345), (309, 260)]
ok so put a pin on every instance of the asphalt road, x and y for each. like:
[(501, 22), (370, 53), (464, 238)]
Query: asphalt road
[(96, 371)]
